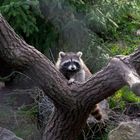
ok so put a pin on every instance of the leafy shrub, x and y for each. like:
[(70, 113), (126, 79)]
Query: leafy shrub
[(121, 97), (26, 19)]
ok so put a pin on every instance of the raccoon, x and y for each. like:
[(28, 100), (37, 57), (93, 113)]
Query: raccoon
[(72, 66)]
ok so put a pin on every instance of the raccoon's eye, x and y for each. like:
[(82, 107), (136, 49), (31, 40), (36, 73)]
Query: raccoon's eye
[(66, 64), (77, 64)]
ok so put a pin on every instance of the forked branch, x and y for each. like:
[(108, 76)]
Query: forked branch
[(73, 103)]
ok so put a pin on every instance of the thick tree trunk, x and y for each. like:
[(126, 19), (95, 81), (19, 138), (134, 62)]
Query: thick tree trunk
[(72, 103)]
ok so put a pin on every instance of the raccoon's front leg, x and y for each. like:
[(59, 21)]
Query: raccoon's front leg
[(71, 80)]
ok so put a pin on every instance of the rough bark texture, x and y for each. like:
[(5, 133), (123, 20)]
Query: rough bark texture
[(72, 103)]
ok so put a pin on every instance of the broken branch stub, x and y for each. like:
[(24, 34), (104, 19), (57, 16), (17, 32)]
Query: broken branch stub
[(127, 73)]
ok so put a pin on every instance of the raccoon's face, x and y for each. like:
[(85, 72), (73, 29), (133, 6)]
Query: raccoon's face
[(70, 62)]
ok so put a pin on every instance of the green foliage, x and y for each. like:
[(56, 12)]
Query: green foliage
[(114, 21), (129, 96), (25, 17), (79, 5), (29, 112), (102, 136), (121, 97), (24, 131), (19, 16), (111, 19), (114, 17), (116, 101)]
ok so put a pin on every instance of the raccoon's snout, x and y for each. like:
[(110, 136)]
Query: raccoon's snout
[(72, 68)]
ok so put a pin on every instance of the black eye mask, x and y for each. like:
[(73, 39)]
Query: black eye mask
[(77, 65), (64, 69)]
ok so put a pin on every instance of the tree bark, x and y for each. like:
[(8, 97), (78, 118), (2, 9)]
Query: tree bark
[(72, 103)]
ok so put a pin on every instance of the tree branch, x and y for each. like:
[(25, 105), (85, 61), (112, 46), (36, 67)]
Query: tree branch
[(71, 102), (115, 75), (22, 56)]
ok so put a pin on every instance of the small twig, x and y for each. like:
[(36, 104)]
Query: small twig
[(6, 78), (51, 55)]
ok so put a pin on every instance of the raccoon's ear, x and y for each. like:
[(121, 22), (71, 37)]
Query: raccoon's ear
[(61, 54), (79, 54)]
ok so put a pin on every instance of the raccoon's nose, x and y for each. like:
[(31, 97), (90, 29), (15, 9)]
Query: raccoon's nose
[(73, 67)]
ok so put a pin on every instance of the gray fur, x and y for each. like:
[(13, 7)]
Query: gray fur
[(70, 57)]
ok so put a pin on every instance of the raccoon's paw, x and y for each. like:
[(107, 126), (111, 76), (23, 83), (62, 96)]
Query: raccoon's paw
[(71, 81), (96, 112)]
